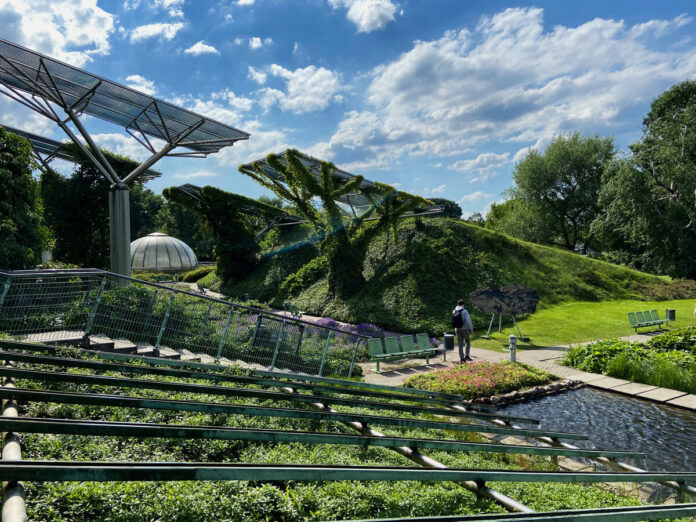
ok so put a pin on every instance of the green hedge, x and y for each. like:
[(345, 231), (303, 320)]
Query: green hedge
[(197, 273)]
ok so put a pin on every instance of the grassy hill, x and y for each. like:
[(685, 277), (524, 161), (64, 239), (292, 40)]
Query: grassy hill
[(414, 282)]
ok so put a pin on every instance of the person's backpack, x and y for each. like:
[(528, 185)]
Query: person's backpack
[(457, 319)]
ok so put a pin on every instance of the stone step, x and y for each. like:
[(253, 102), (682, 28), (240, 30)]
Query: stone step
[(145, 349), (101, 343), (168, 353), (125, 346)]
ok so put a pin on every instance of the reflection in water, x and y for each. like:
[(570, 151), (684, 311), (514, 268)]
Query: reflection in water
[(665, 433)]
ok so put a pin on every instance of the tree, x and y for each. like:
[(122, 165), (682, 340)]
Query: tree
[(342, 242), (449, 208), (650, 197), (178, 221), (22, 234), (559, 189), (234, 221)]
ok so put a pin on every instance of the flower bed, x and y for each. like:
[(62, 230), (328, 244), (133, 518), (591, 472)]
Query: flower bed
[(481, 379)]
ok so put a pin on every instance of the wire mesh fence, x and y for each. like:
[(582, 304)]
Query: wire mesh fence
[(54, 305)]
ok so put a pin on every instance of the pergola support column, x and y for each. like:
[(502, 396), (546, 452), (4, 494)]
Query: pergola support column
[(119, 229)]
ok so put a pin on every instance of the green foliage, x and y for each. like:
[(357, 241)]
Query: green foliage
[(449, 208), (304, 277), (234, 221), (481, 379), (559, 189), (197, 273), (211, 281), (668, 360), (649, 197), (22, 234), (153, 277)]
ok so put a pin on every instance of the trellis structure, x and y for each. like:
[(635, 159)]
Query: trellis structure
[(46, 86), (33, 304), (46, 150)]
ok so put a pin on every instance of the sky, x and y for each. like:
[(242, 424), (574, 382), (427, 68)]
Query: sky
[(439, 98)]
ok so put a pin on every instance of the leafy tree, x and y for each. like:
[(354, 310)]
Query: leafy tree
[(77, 209), (234, 221), (449, 207), (182, 223), (22, 234), (343, 242), (650, 197), (517, 218), (559, 189), (476, 219)]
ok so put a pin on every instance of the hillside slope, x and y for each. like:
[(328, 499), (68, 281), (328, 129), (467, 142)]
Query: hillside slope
[(413, 282)]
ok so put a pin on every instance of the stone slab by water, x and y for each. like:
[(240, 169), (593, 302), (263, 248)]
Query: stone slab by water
[(665, 433)]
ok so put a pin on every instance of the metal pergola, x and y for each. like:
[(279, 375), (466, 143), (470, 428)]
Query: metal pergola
[(46, 85), (46, 150)]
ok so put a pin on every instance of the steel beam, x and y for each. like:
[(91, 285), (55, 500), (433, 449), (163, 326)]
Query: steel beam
[(101, 380), (122, 401), (56, 471), (145, 430)]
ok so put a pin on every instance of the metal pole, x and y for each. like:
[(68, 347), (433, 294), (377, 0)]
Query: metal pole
[(93, 313), (256, 329), (119, 229), (279, 342), (518, 328), (5, 289), (164, 325), (13, 506), (490, 325), (224, 332), (323, 357), (500, 323), (355, 354)]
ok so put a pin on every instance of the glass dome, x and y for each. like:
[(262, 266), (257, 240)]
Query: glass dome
[(162, 253)]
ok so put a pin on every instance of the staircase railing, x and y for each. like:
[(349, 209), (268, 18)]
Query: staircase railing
[(55, 305)]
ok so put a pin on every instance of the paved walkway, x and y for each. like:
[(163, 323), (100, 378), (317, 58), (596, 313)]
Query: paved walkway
[(547, 359)]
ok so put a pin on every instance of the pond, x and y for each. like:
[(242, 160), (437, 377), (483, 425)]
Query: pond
[(664, 433)]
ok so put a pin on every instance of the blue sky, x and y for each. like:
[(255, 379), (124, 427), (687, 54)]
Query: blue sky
[(437, 97)]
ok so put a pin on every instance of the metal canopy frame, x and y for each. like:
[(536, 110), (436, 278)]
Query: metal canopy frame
[(45, 85), (354, 200), (46, 150)]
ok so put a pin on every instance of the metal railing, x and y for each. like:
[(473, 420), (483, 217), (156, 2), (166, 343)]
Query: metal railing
[(54, 305)]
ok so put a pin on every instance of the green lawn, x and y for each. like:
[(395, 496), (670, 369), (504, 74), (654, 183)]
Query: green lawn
[(575, 322)]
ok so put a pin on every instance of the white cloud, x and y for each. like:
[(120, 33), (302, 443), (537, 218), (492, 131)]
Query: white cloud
[(224, 106), (125, 145), (307, 89), (439, 190), (201, 48), (245, 2), (367, 15), (509, 79), (262, 143), (238, 41), (256, 75), (139, 83), (474, 196), (482, 167), (70, 30), (197, 174), (257, 43), (161, 30)]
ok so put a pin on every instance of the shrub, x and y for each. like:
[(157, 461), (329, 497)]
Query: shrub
[(594, 357), (480, 379), (684, 339), (197, 273)]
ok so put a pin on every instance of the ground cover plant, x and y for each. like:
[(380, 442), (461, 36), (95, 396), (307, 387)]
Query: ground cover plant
[(275, 500), (480, 379), (668, 360), (404, 293)]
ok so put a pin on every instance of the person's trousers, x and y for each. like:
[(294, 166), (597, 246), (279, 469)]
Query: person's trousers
[(462, 336)]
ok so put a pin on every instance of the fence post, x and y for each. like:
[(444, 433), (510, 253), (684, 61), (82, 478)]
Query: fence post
[(279, 342), (5, 289), (224, 332), (355, 354), (206, 318), (93, 313), (256, 329), (164, 324), (326, 350)]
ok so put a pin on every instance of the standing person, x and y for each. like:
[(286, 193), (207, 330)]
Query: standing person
[(461, 321)]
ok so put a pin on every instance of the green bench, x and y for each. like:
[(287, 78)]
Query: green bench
[(390, 350), (645, 319), (293, 310)]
